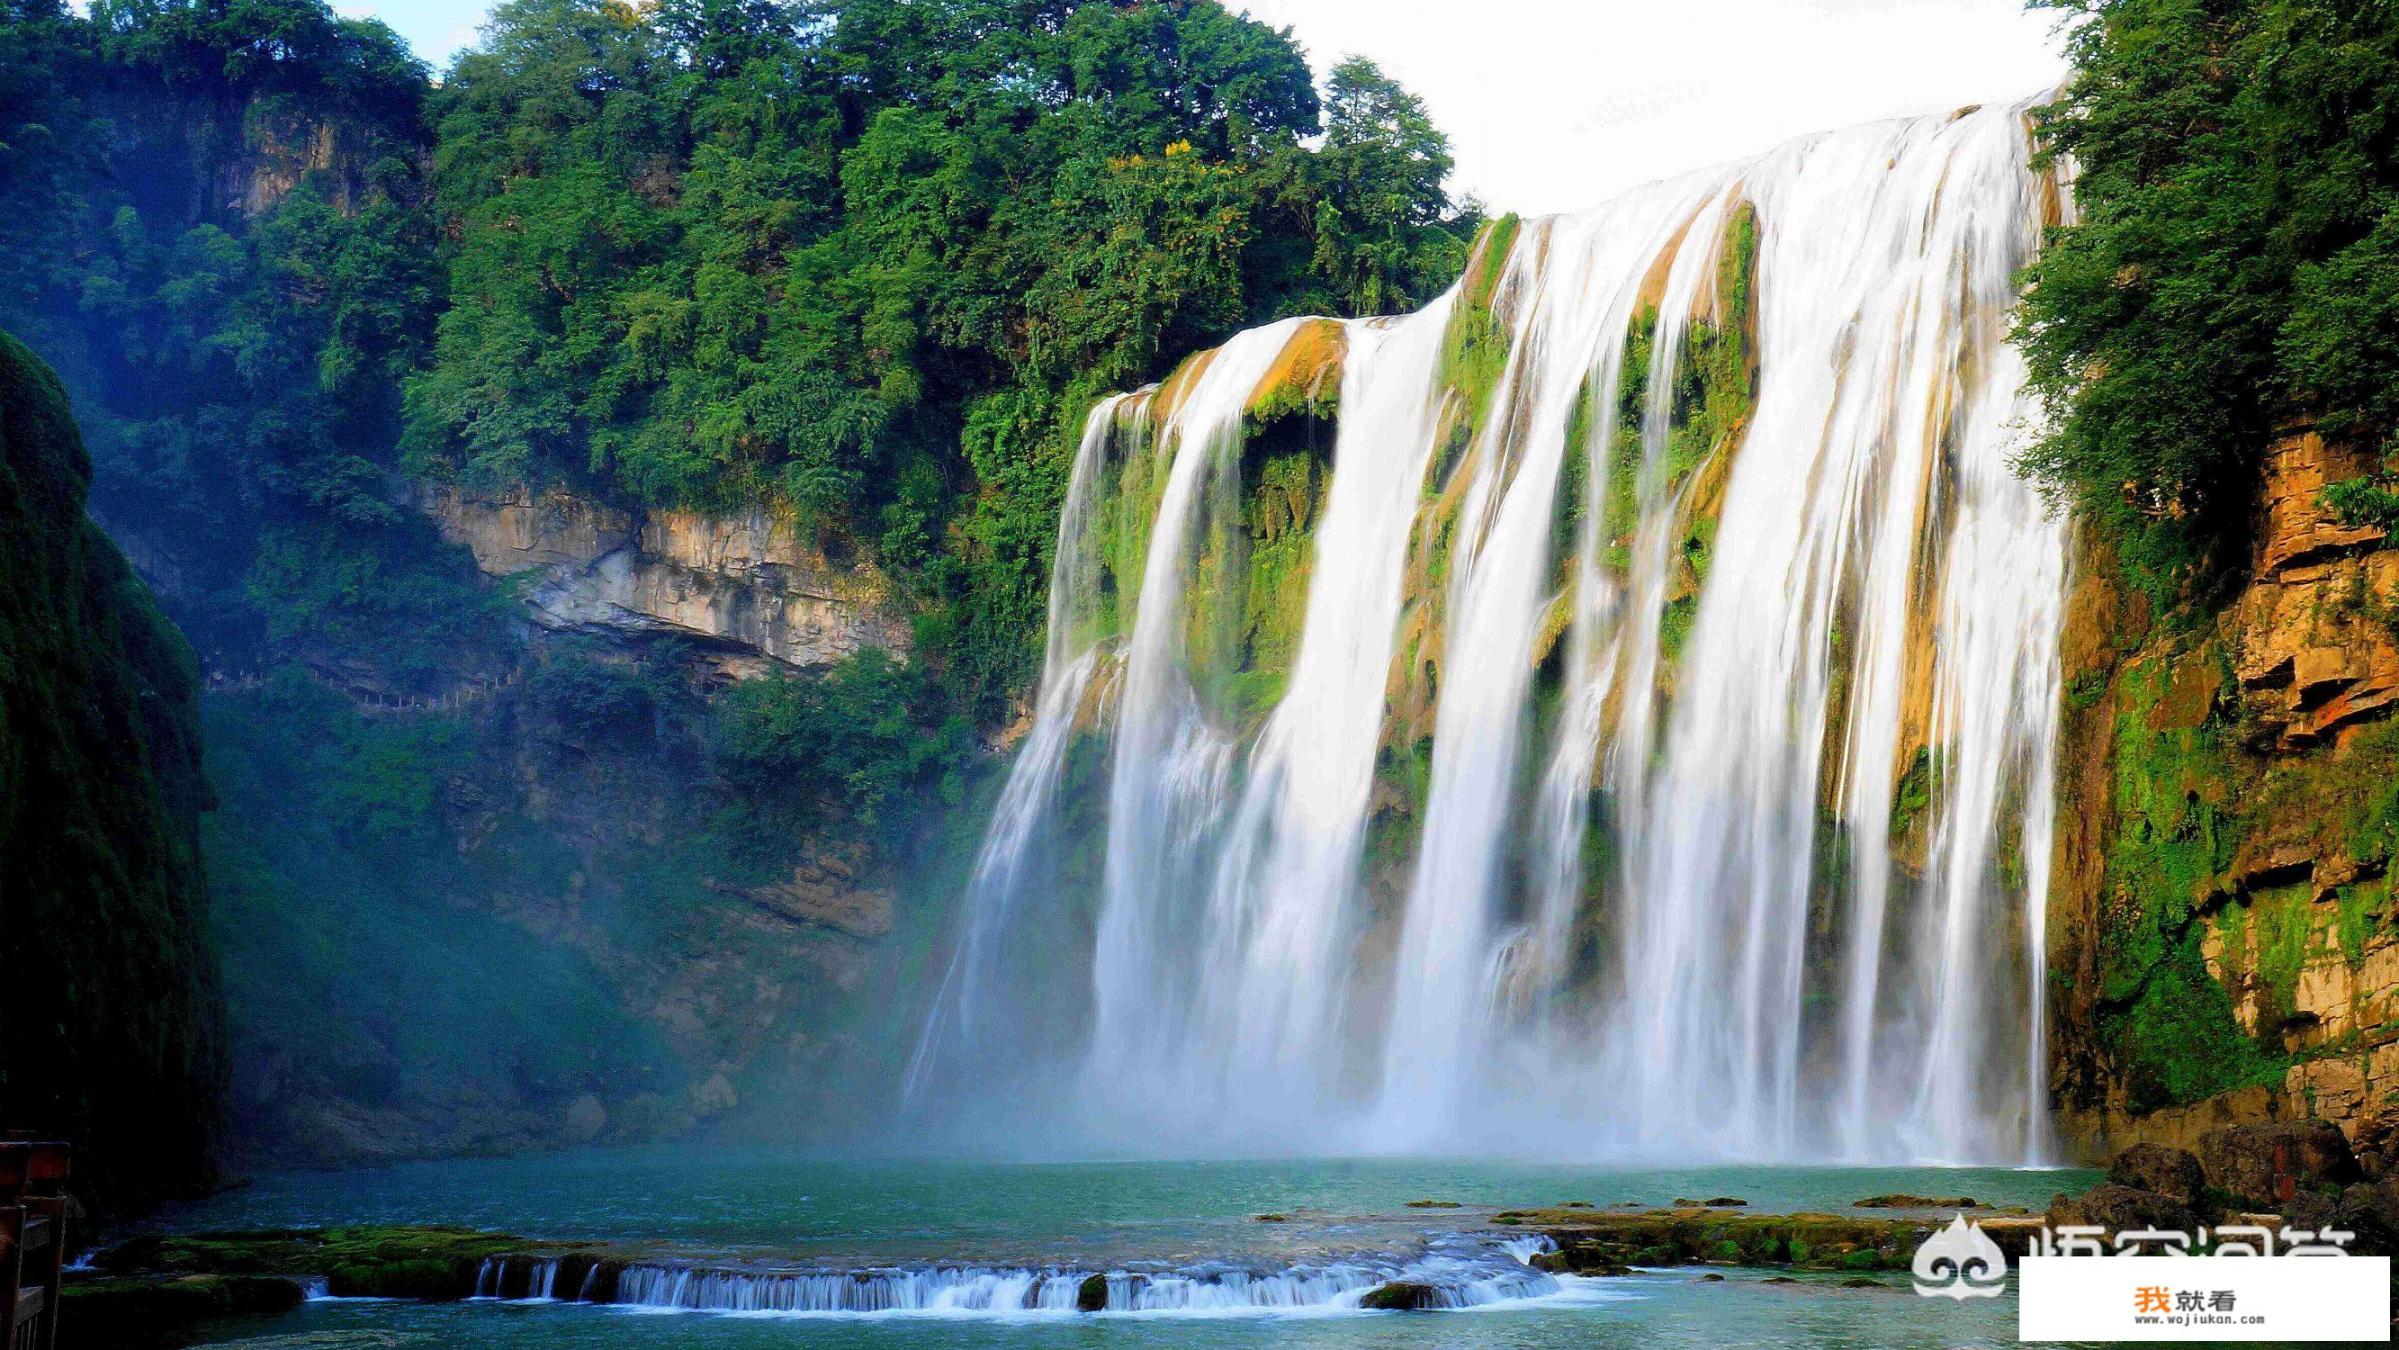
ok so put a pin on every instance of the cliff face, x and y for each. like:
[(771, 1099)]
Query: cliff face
[(743, 582), (114, 1027), (584, 934), (2222, 943)]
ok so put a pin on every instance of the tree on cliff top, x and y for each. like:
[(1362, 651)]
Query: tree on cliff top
[(831, 255), (2236, 265)]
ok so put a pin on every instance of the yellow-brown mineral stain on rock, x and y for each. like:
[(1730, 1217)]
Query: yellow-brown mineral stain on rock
[(2317, 653), (1306, 374)]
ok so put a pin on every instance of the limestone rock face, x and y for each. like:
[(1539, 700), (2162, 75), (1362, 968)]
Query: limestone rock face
[(747, 581), (2314, 659), (2222, 917), (2118, 1208), (826, 889), (2270, 1164), (2171, 1172)]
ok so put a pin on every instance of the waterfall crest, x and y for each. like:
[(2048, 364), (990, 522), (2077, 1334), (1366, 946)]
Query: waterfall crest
[(1608, 712)]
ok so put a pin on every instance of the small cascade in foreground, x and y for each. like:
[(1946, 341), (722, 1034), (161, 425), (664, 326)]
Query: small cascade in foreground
[(1457, 1271), (1608, 712)]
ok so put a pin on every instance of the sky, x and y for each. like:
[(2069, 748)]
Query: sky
[(1552, 105)]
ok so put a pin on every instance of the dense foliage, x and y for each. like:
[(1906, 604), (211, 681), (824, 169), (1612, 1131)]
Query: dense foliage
[(861, 259), (869, 258), (114, 1029), (2236, 264)]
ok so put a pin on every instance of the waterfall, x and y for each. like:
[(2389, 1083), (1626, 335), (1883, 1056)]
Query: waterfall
[(1646, 747)]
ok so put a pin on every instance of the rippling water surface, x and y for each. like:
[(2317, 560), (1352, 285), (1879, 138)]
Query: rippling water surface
[(1152, 1224)]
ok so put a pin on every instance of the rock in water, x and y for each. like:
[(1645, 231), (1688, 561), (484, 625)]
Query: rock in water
[(1400, 1296), (1092, 1294)]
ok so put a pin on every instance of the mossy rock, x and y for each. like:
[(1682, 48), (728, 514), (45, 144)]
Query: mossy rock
[(133, 1311), (379, 1261), (1818, 1241), (1401, 1296), (1092, 1294)]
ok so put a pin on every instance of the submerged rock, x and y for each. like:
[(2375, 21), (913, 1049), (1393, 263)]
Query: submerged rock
[(1904, 1200)]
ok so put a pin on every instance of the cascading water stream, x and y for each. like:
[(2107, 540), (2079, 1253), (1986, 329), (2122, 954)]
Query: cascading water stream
[(1283, 912), (997, 886), (1171, 767), (1573, 283), (1662, 760)]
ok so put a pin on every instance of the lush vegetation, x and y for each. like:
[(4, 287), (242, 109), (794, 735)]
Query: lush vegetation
[(2236, 265), (861, 262), (114, 1027), (865, 260)]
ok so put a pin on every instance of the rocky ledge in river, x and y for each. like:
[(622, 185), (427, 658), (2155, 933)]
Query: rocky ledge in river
[(1605, 1242), (151, 1289)]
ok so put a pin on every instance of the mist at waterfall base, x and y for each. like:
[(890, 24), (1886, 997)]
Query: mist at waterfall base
[(1653, 900)]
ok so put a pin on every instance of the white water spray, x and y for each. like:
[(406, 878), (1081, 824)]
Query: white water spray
[(1811, 687)]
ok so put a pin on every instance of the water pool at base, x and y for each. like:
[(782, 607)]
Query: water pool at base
[(1164, 1229)]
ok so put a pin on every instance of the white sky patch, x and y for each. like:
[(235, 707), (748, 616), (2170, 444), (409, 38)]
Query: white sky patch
[(1556, 104), (1552, 105)]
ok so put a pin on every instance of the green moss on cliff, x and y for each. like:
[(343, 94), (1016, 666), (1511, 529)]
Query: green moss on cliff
[(1474, 352), (2201, 828), (2179, 1041), (2175, 829), (114, 1027)]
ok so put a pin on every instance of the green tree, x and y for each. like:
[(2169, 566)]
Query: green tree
[(2236, 263)]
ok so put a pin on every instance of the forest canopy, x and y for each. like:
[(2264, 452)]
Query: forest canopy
[(864, 260), (2235, 269)]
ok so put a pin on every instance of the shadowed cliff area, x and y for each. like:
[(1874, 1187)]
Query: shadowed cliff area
[(114, 1026)]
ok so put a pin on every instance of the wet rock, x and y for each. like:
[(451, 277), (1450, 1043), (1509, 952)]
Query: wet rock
[(1861, 1282), (1273, 1218), (1683, 1236), (1904, 1200), (2170, 1172), (1711, 1278), (2117, 1208), (1433, 1204), (2375, 1141), (431, 1263), (1092, 1295), (2368, 1210), (1400, 1296), (2269, 1164), (1582, 1258), (1719, 1202)]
